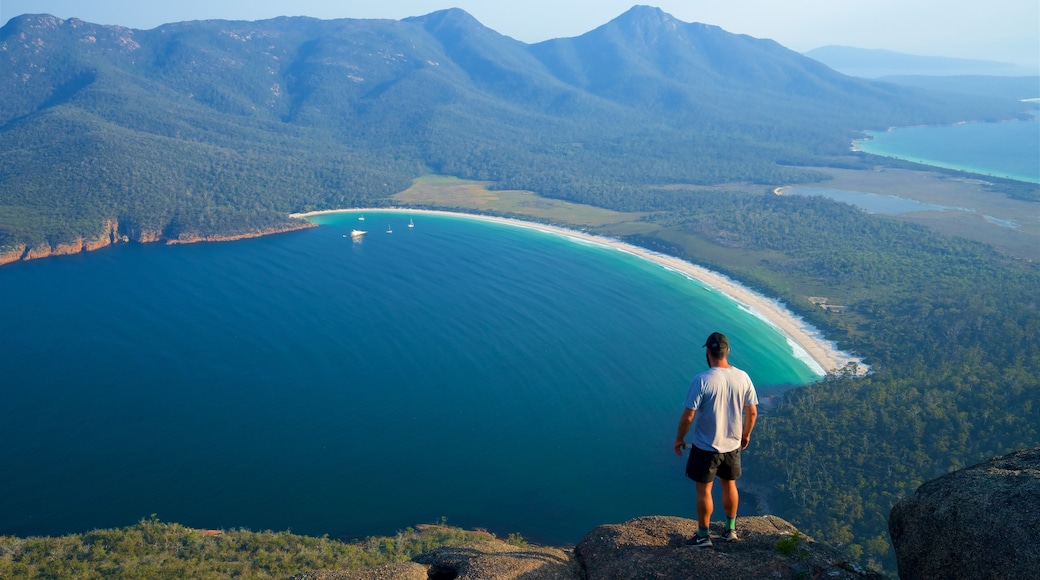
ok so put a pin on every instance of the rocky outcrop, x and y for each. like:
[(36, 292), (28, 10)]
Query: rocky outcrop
[(146, 236), (108, 236), (486, 559), (650, 548), (38, 251), (398, 571), (11, 254), (979, 522), (111, 235), (497, 559), (195, 238), (68, 248)]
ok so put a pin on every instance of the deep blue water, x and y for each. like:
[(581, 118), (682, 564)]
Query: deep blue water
[(497, 376), (1010, 150)]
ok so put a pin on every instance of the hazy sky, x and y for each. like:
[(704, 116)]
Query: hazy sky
[(1003, 30)]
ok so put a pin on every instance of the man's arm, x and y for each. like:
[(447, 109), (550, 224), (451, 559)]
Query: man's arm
[(684, 427), (750, 415)]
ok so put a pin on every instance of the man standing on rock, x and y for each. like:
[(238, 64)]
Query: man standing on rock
[(714, 407)]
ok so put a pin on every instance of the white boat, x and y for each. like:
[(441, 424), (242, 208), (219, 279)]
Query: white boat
[(410, 223), (357, 233), (388, 230), (361, 218)]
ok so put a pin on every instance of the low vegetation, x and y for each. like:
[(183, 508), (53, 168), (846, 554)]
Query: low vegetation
[(154, 549)]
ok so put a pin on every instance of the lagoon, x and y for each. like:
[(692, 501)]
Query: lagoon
[(871, 202)]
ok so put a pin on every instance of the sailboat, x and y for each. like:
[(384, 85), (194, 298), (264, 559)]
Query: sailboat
[(411, 224), (388, 230)]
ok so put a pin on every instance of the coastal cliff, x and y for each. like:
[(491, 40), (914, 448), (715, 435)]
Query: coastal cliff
[(112, 234), (11, 254), (192, 238)]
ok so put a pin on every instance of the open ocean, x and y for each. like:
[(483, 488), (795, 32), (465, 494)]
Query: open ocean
[(497, 376)]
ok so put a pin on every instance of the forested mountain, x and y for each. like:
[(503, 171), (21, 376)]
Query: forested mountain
[(214, 128)]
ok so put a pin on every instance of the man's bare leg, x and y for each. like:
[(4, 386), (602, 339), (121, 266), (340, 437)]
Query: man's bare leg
[(730, 497), (705, 505)]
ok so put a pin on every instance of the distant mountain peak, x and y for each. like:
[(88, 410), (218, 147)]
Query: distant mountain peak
[(455, 18), (648, 26), (26, 21), (641, 19), (642, 11)]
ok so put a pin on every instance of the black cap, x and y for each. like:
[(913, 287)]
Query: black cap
[(718, 344)]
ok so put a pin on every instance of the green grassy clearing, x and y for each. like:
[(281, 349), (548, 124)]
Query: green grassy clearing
[(453, 193)]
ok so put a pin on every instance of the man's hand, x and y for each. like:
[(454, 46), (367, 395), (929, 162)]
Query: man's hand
[(684, 427), (750, 416)]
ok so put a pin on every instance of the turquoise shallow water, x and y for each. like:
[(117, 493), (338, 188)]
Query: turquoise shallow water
[(497, 376), (1010, 150)]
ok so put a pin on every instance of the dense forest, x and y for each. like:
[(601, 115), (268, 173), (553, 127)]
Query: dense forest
[(216, 128)]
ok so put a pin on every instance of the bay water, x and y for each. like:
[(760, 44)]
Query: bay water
[(495, 376), (1009, 150)]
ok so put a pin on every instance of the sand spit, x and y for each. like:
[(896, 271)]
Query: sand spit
[(806, 341)]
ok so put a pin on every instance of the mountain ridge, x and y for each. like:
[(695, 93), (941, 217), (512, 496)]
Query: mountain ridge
[(254, 120)]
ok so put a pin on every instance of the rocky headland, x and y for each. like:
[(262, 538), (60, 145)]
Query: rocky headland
[(112, 234)]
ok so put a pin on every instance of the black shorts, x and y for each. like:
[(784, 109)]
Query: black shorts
[(702, 466)]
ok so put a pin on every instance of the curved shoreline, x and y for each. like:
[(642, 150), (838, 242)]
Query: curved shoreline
[(807, 343), (864, 145)]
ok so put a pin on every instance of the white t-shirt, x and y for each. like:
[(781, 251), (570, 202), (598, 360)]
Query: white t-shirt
[(719, 396)]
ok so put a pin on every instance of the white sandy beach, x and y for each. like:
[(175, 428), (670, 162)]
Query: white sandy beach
[(805, 340)]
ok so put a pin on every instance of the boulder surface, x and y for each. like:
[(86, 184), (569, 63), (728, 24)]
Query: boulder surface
[(652, 548), (647, 548), (979, 522)]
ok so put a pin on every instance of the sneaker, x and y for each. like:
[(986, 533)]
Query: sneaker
[(698, 542), (730, 536)]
